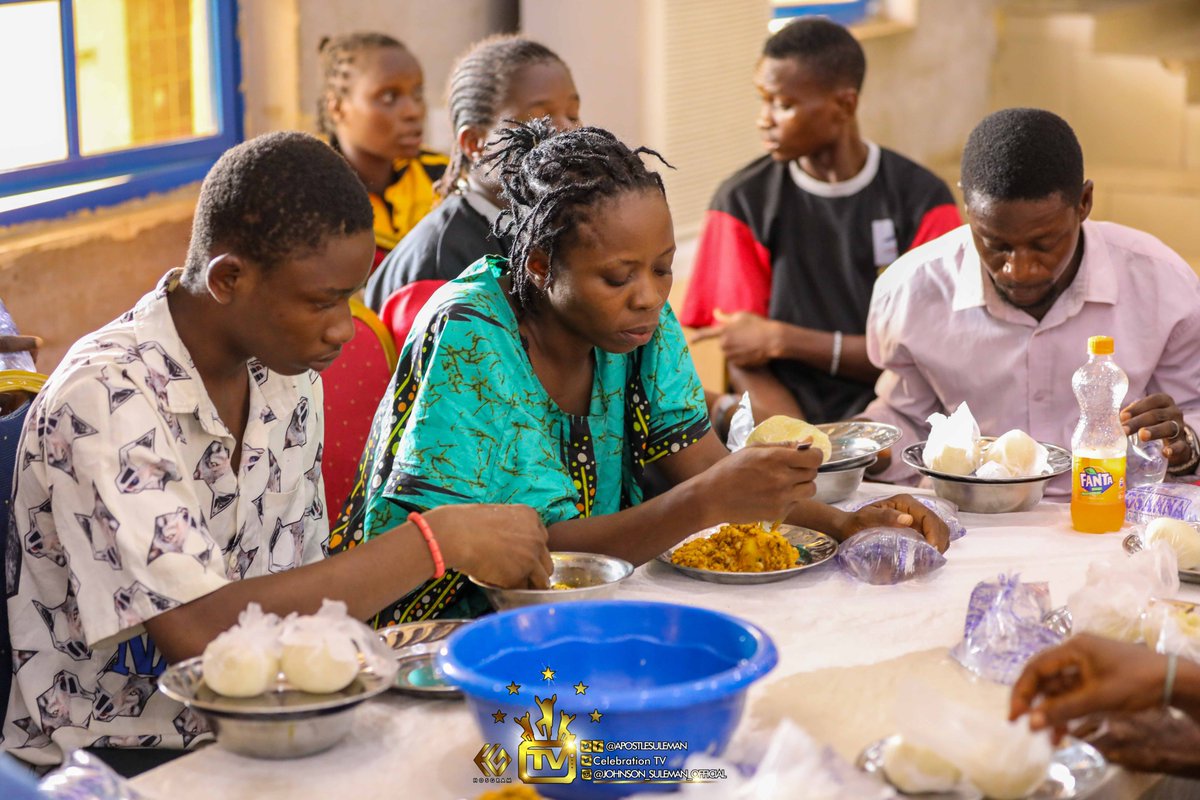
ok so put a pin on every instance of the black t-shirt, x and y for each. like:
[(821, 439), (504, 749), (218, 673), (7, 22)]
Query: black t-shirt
[(782, 244), (446, 241)]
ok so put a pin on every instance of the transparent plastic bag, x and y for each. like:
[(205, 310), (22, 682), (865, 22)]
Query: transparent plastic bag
[(794, 767), (1118, 591), (1172, 626), (1176, 500), (953, 443), (888, 555), (83, 776), (946, 510), (318, 651), (740, 425), (1004, 628)]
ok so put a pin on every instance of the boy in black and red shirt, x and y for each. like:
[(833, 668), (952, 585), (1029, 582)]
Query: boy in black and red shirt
[(793, 242)]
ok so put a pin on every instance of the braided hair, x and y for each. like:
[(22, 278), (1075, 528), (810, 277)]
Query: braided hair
[(550, 179), (337, 55), (478, 87)]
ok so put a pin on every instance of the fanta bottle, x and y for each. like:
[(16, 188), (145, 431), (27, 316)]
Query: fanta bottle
[(1098, 446)]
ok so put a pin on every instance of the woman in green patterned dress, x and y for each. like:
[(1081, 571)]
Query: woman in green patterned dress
[(554, 378)]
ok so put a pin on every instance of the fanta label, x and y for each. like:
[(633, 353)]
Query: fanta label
[(1100, 480)]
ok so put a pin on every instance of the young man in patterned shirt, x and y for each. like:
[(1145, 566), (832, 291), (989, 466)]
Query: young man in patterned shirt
[(170, 471)]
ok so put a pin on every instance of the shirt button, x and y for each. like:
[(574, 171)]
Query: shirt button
[(1039, 395)]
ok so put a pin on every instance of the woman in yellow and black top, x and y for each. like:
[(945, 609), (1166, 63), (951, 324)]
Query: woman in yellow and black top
[(372, 108)]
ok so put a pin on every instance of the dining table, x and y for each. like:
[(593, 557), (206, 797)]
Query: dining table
[(846, 650)]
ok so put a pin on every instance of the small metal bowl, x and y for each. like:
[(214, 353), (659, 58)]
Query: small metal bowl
[(838, 484), (416, 645), (284, 722), (981, 496), (580, 576)]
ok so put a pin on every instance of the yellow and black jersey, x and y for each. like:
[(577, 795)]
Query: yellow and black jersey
[(409, 196)]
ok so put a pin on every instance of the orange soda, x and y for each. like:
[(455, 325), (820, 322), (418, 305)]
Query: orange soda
[(1098, 445)]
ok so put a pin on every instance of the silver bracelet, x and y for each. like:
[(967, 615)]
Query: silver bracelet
[(837, 353), (1186, 468)]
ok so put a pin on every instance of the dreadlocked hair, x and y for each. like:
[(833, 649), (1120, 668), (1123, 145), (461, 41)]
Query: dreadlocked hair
[(550, 180), (479, 85), (337, 55)]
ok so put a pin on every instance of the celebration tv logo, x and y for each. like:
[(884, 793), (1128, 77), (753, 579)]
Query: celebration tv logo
[(547, 752)]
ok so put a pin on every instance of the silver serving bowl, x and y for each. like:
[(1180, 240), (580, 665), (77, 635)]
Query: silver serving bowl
[(416, 645), (854, 441), (820, 548), (580, 576), (283, 722), (981, 496), (838, 484)]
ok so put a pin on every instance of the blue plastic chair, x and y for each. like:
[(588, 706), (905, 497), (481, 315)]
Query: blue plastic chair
[(10, 435)]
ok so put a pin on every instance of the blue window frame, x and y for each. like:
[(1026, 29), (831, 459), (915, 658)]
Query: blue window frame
[(83, 180), (843, 12)]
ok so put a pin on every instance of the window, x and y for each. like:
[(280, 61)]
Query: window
[(116, 99), (843, 12)]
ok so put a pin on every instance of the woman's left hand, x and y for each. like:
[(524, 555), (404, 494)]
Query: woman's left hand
[(900, 511), (1157, 417)]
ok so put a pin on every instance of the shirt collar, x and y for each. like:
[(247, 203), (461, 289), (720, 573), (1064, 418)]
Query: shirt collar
[(1096, 281), (486, 208), (185, 393), (845, 188)]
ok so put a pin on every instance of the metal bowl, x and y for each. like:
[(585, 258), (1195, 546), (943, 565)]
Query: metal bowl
[(854, 441), (981, 496), (416, 645), (838, 484), (283, 722), (820, 547), (581, 576)]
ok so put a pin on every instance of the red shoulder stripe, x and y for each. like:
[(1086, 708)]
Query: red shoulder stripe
[(937, 221), (732, 272)]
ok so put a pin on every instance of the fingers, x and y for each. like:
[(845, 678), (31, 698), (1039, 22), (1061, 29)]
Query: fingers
[(1155, 417), (539, 576), (20, 344), (707, 333)]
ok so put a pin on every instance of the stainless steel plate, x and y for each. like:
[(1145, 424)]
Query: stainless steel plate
[(1076, 768), (1133, 543), (1060, 462), (184, 682), (853, 441), (416, 645), (820, 546)]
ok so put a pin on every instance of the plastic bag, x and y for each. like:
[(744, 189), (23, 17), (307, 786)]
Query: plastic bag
[(794, 767), (740, 425), (945, 509), (1172, 626), (888, 555), (244, 660), (1177, 500), (953, 443), (1004, 628), (1117, 592), (83, 776), (320, 651), (1003, 759)]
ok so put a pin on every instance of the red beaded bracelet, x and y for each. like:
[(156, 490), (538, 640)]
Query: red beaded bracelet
[(439, 566)]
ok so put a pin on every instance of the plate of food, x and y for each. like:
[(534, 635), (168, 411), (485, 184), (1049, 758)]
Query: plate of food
[(416, 645), (1075, 769), (750, 553), (1182, 537)]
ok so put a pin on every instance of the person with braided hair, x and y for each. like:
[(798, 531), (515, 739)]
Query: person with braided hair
[(371, 108), (500, 80), (554, 377)]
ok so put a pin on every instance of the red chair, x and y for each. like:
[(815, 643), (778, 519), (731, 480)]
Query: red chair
[(354, 384), (402, 306)]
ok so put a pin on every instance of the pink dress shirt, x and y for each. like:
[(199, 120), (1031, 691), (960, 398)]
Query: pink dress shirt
[(942, 335)]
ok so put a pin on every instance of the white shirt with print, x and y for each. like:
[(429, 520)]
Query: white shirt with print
[(126, 506)]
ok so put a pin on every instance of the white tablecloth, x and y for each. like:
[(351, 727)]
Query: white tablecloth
[(820, 620)]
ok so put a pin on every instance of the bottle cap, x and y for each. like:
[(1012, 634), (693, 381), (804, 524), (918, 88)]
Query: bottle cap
[(1100, 346)]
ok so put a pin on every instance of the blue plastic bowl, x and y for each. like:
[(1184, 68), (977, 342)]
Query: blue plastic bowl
[(622, 672)]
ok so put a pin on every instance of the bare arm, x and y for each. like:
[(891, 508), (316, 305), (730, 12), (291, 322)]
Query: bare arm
[(372, 575), (768, 395)]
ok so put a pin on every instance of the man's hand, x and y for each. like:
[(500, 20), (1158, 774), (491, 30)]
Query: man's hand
[(747, 340), (1157, 740), (1086, 675), (21, 344), (504, 545), (900, 511), (1157, 417)]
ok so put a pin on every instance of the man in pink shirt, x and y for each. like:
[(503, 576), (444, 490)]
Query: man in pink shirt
[(998, 312)]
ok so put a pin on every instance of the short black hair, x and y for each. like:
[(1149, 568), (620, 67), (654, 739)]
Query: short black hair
[(337, 55), (479, 84), (550, 179), (273, 197), (1022, 154), (828, 50)]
